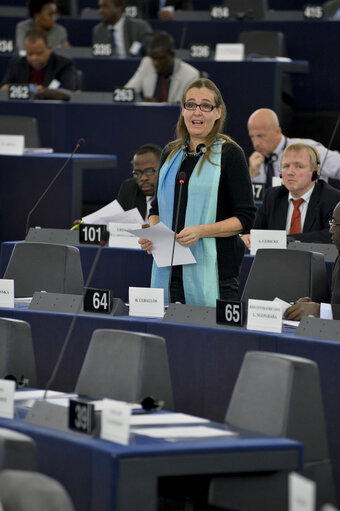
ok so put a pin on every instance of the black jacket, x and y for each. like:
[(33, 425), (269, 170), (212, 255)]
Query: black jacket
[(131, 196)]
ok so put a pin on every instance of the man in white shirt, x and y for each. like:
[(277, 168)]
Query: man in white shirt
[(305, 306), (302, 206), (269, 144), (129, 37)]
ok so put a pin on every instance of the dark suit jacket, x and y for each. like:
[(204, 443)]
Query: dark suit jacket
[(336, 288), (58, 67), (131, 196), (272, 214), (134, 30)]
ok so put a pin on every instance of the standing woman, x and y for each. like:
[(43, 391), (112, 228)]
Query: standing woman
[(216, 204)]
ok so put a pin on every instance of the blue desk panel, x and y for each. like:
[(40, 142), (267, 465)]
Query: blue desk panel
[(23, 179), (104, 476), (106, 127), (204, 361)]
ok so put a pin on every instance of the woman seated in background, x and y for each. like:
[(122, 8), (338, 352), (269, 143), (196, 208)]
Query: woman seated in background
[(43, 15), (216, 203)]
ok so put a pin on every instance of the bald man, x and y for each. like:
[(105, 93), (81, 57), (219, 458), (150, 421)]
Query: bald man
[(269, 143)]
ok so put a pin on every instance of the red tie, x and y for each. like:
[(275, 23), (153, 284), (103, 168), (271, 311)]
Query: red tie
[(163, 89), (295, 224)]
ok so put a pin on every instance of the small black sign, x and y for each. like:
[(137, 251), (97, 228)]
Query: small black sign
[(258, 191), (102, 50), (123, 95), (98, 300), (219, 12), (19, 91), (81, 416), (313, 12), (92, 234), (6, 45), (200, 51), (131, 11), (229, 313)]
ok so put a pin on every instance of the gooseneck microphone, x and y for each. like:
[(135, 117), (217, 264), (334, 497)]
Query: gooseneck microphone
[(330, 143), (103, 241), (181, 180), (80, 142)]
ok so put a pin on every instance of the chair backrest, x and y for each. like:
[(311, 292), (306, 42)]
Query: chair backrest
[(31, 491), (280, 395), (247, 9), (17, 451), (263, 43), (127, 366), (16, 352), (329, 250), (20, 125), (45, 267), (287, 274)]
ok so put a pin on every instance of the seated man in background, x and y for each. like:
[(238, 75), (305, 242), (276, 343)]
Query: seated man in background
[(302, 206), (161, 77), (138, 192), (305, 306), (269, 143), (42, 15), (129, 37), (51, 73)]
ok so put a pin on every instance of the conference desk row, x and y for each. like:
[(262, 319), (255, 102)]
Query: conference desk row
[(310, 40)]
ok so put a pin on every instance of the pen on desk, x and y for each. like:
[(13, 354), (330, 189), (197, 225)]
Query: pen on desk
[(77, 225)]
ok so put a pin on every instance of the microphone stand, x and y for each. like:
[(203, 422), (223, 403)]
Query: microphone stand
[(181, 180)]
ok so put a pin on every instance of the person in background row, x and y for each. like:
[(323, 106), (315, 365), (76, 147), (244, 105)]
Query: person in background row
[(139, 191), (49, 72), (305, 306), (216, 205), (161, 77), (161, 9), (269, 143), (302, 206), (43, 15), (129, 37)]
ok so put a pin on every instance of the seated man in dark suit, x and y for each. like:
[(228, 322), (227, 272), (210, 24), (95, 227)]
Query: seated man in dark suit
[(42, 67), (302, 206), (129, 36), (305, 306), (138, 191)]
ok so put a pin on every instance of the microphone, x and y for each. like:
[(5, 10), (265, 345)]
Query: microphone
[(103, 241), (181, 179), (183, 36), (330, 143), (80, 142)]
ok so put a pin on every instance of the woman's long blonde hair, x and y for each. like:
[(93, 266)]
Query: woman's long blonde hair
[(216, 132)]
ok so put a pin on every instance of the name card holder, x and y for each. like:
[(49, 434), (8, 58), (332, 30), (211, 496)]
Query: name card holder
[(146, 302), (98, 300), (81, 416), (229, 312), (12, 145), (7, 293), (7, 389), (131, 11), (313, 12), (115, 421), (6, 45), (233, 52), (102, 50), (200, 51), (266, 238), (123, 95), (20, 91), (218, 12), (92, 234), (264, 316), (258, 191), (301, 493)]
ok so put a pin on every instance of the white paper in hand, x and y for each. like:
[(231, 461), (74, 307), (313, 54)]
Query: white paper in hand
[(162, 239)]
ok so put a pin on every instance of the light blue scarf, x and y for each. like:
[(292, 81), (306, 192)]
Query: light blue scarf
[(200, 280)]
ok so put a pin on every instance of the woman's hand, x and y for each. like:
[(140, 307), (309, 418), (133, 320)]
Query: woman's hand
[(189, 235), (145, 244)]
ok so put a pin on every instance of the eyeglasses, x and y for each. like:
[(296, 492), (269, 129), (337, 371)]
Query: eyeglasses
[(204, 107), (333, 223), (137, 174)]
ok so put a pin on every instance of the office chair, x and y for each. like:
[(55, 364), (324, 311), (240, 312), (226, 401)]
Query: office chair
[(276, 395), (263, 43), (287, 274), (247, 9), (329, 250), (45, 267), (17, 451), (16, 352), (126, 366), (31, 491), (20, 125)]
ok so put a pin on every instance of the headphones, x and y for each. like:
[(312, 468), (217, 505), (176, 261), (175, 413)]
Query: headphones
[(200, 149)]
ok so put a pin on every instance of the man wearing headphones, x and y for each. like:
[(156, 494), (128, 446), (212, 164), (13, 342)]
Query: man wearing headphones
[(302, 206), (269, 143)]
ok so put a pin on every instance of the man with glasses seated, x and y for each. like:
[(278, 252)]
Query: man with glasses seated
[(305, 306), (138, 192)]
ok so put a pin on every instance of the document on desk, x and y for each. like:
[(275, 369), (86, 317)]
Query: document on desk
[(156, 419), (176, 433), (162, 239)]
